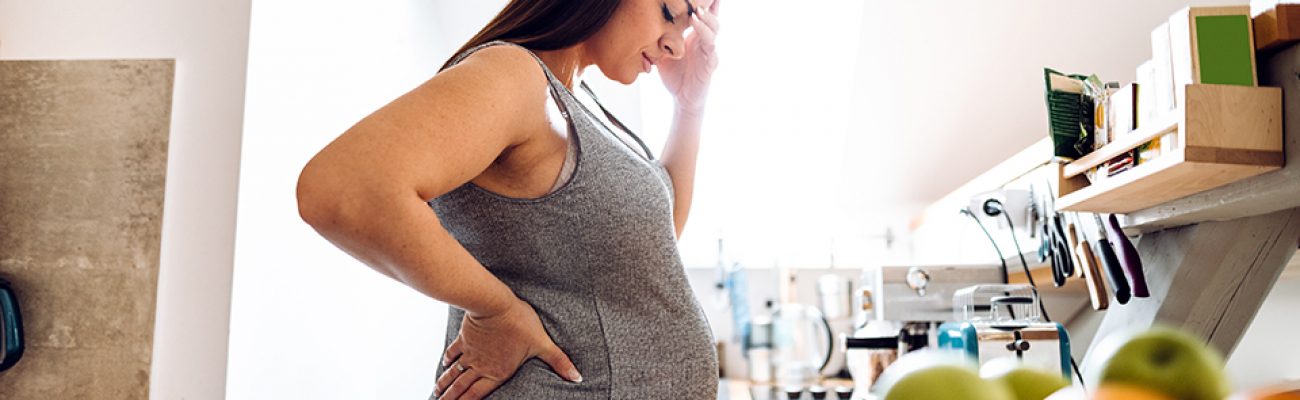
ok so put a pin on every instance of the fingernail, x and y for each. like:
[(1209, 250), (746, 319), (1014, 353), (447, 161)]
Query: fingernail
[(575, 377)]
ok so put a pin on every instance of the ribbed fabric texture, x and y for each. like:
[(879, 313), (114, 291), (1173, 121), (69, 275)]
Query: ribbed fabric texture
[(597, 258)]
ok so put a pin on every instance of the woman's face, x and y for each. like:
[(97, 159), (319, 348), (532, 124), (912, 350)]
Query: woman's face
[(639, 35)]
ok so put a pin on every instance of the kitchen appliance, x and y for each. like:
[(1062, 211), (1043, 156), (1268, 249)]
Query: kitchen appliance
[(801, 344), (899, 306), (923, 294), (835, 295), (11, 327), (758, 347), (914, 298), (1004, 321), (871, 349), (868, 357)]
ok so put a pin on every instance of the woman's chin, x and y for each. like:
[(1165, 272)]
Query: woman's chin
[(626, 79)]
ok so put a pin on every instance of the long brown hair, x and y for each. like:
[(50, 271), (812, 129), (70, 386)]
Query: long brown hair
[(544, 24)]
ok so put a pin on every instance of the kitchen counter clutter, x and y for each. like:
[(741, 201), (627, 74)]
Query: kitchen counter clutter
[(1194, 121), (742, 389), (1209, 204)]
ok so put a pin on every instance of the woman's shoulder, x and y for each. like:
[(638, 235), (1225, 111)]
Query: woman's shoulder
[(500, 65), (501, 82)]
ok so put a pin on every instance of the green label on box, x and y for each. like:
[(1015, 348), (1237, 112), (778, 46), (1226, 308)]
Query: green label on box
[(1223, 50)]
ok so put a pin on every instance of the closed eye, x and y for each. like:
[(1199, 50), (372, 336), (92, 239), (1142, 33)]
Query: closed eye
[(668, 14)]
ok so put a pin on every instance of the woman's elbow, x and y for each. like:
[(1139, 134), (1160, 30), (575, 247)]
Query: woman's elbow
[(316, 206)]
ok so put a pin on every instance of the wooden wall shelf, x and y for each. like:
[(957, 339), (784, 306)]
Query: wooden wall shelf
[(1277, 27), (1224, 134)]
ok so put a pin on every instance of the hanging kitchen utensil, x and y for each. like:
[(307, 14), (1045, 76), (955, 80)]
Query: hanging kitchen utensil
[(1072, 238), (1091, 274), (1062, 247), (1046, 252), (1057, 250), (1044, 243), (1128, 257), (1044, 238), (1110, 262)]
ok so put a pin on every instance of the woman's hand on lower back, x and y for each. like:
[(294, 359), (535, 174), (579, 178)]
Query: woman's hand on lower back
[(490, 348)]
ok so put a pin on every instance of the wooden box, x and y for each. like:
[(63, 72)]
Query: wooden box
[(1225, 133), (1277, 27), (1214, 45)]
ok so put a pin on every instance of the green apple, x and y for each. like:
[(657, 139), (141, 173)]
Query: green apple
[(947, 382), (1162, 359), (1069, 393), (1025, 382), (935, 374)]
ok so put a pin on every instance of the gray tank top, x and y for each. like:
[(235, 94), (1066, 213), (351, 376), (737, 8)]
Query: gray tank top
[(597, 258)]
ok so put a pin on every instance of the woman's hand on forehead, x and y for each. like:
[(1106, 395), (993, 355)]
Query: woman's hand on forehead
[(687, 79)]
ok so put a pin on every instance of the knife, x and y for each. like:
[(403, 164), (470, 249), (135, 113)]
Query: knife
[(1080, 264), (1062, 246), (1058, 278), (1091, 274), (1128, 257), (1110, 262)]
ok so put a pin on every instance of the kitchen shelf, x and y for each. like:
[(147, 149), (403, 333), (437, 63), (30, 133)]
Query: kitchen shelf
[(1224, 134), (1277, 27)]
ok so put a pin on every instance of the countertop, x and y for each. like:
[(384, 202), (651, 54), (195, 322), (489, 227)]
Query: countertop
[(740, 389)]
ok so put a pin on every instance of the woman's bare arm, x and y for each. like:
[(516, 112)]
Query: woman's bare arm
[(688, 79), (679, 158), (366, 191)]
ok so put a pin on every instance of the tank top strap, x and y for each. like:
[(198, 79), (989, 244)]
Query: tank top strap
[(617, 123), (558, 89)]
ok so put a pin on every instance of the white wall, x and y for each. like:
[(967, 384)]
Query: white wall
[(307, 320), (208, 39), (950, 88), (1267, 353)]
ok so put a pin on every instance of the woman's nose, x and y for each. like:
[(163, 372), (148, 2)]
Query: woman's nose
[(674, 46)]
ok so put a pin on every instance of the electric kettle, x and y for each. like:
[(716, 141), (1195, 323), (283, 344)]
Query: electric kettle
[(11, 327), (802, 343)]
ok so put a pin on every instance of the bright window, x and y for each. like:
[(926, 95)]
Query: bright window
[(771, 161)]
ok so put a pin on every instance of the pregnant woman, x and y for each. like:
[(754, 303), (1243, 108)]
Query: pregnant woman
[(550, 229)]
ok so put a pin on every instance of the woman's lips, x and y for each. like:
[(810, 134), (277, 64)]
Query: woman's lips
[(645, 63)]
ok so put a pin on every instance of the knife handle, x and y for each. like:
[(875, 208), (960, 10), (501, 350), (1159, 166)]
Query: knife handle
[(1109, 262), (1092, 275), (1072, 240), (1044, 244), (1058, 275), (1128, 257)]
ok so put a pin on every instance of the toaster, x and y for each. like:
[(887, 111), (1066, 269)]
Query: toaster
[(11, 327), (1003, 321)]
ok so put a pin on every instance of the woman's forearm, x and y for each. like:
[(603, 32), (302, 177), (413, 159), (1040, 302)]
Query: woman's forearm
[(403, 239), (679, 158)]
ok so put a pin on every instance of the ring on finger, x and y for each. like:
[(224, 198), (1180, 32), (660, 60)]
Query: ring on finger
[(461, 368)]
